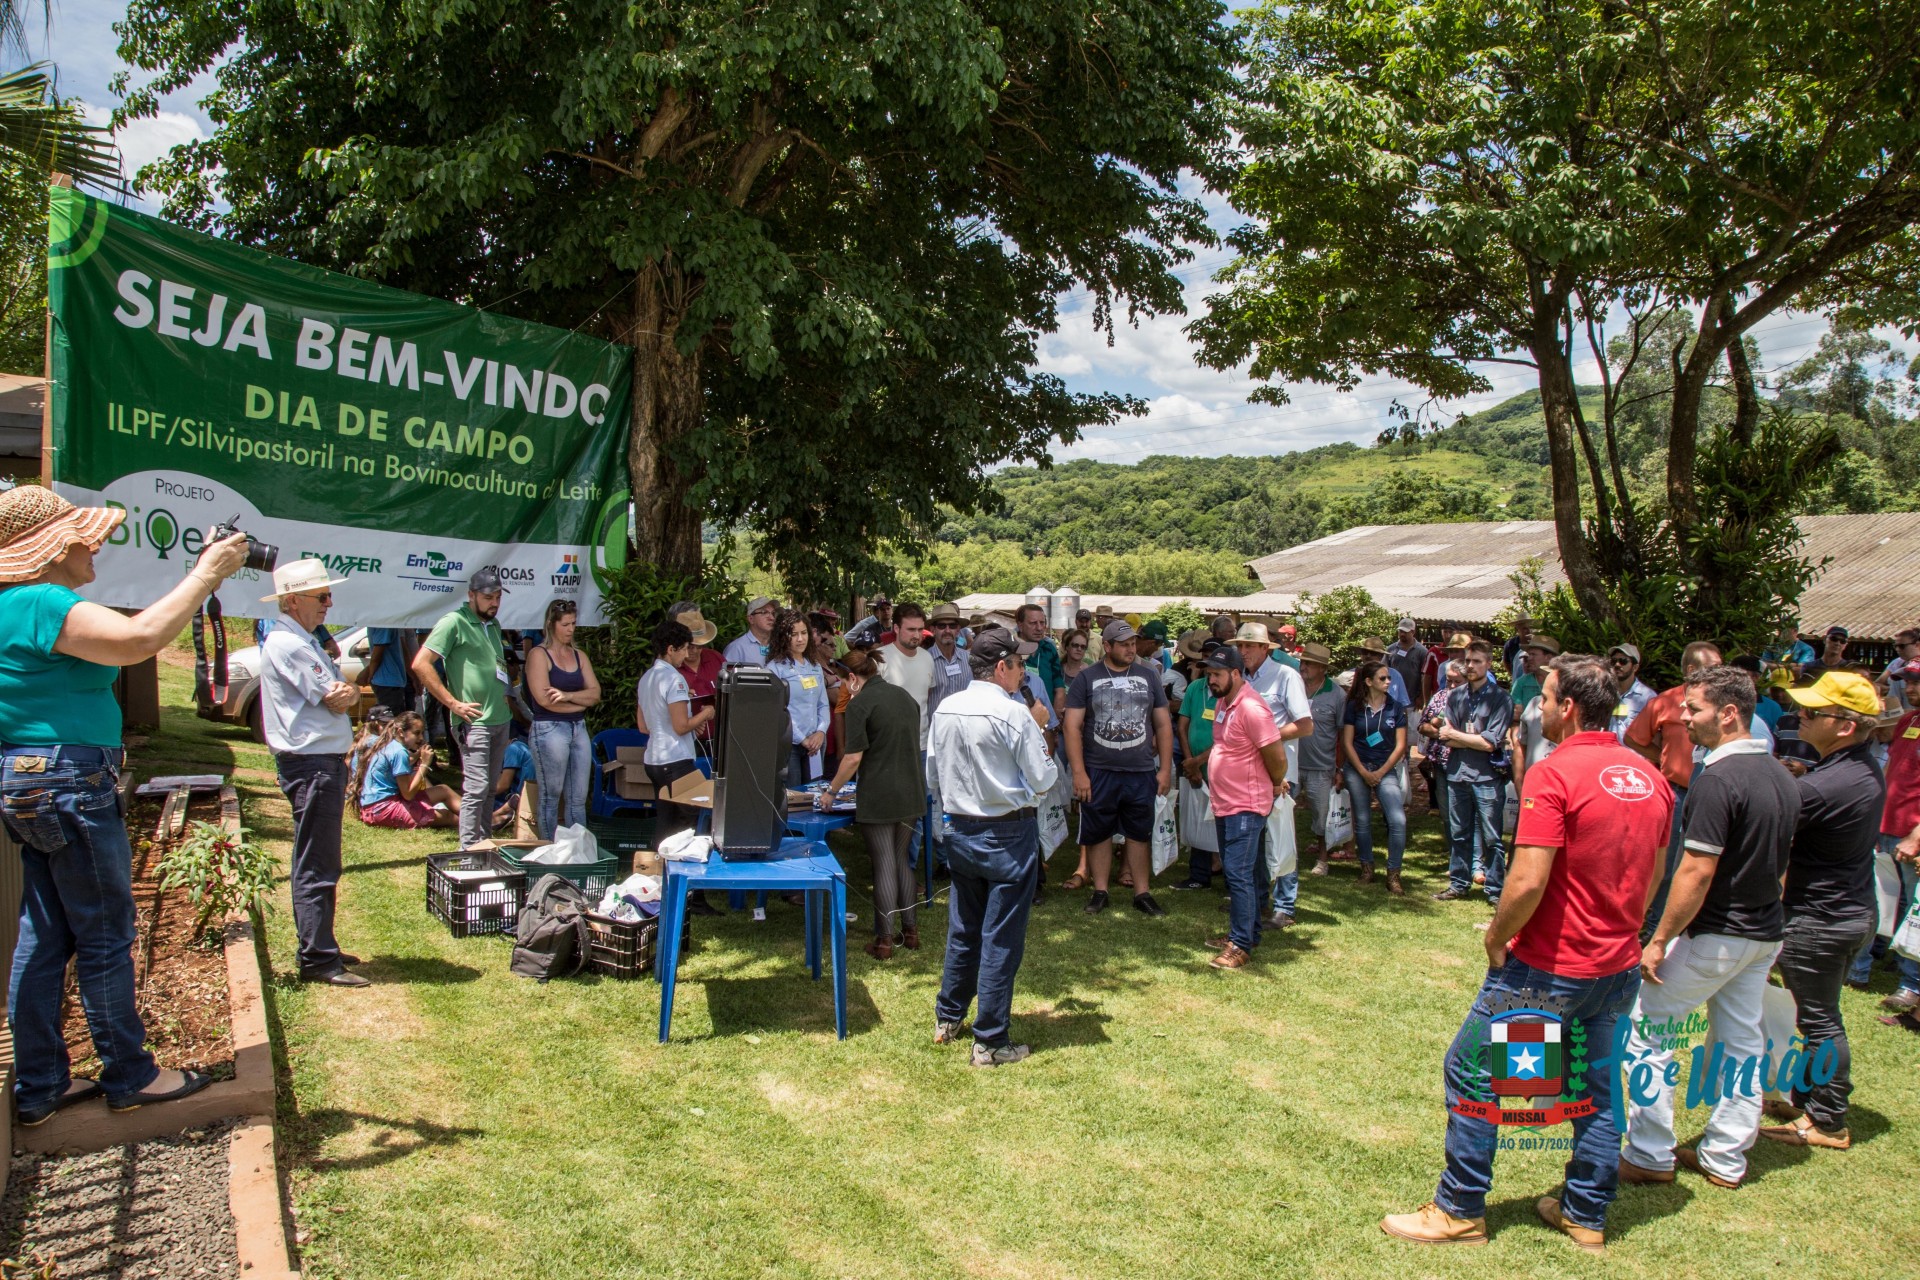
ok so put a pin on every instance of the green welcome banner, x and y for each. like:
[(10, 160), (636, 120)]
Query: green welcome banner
[(405, 440)]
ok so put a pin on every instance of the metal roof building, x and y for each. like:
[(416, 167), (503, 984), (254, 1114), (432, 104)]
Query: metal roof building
[(1440, 574)]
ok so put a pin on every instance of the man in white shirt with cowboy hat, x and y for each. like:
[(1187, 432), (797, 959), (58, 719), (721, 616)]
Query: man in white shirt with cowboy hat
[(304, 706)]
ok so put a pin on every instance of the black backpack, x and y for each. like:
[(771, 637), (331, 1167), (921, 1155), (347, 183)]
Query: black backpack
[(551, 940)]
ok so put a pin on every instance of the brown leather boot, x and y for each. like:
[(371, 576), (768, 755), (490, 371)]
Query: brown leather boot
[(1634, 1176), (1548, 1207), (910, 939), (1366, 873), (1430, 1224), (1394, 886), (1803, 1132), (881, 948)]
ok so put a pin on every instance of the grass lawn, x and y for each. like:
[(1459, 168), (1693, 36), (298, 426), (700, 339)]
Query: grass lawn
[(456, 1121)]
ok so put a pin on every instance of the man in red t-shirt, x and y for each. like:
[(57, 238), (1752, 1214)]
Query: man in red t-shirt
[(1894, 875), (1566, 940)]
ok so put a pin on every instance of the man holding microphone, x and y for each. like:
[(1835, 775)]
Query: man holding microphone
[(304, 706), (987, 761)]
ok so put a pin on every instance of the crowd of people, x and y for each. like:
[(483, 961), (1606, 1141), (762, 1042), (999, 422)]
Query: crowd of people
[(1646, 853)]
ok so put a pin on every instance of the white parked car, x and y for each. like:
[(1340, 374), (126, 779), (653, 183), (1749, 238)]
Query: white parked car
[(243, 680)]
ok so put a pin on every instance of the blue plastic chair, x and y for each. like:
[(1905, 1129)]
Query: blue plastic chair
[(601, 803)]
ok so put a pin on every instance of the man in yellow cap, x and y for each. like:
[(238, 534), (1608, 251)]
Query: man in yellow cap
[(1829, 895)]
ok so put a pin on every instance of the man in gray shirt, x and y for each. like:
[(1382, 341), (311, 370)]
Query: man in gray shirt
[(1119, 740), (1317, 749), (1479, 714)]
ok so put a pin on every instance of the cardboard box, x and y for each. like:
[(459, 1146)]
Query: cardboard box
[(626, 774), (695, 789)]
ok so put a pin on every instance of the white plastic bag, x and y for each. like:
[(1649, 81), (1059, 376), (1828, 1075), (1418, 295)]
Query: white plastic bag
[(1510, 815), (1779, 1016), (1053, 817), (1196, 818), (1283, 853), (1339, 820), (1166, 832), (570, 845), (1906, 939)]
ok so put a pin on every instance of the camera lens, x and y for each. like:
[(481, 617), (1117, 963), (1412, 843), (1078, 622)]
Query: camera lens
[(262, 556)]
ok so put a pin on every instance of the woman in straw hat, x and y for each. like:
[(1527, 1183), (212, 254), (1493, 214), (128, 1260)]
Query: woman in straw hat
[(60, 758)]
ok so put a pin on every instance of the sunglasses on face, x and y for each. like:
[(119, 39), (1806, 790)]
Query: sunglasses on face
[(325, 597), (1621, 660)]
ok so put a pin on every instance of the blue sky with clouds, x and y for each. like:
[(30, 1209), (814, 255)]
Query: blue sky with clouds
[(1193, 410)]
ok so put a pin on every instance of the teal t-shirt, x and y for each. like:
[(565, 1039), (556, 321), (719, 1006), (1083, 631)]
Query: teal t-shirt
[(47, 698), (384, 773)]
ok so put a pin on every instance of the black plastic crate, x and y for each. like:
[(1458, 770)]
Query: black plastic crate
[(454, 894), (621, 949)]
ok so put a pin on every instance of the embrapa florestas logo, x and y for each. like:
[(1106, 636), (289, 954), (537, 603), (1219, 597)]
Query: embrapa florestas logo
[(431, 571)]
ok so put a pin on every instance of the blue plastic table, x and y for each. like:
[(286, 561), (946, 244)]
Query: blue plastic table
[(810, 825), (799, 864)]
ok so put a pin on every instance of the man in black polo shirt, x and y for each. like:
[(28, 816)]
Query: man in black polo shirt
[(1830, 895), (1718, 935)]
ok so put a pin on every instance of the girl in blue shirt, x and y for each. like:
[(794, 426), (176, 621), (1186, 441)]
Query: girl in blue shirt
[(808, 707), (389, 784)]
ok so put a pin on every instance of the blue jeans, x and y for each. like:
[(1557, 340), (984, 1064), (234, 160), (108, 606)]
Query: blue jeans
[(1242, 838), (1393, 804), (1286, 891), (563, 763), (1474, 810), (995, 865), (1862, 967), (1593, 1172), (76, 903)]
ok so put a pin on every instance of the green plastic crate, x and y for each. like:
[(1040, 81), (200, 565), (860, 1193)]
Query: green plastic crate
[(592, 877)]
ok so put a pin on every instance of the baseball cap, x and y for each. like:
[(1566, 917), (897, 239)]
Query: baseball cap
[(758, 603), (831, 615), (1836, 633), (1157, 629), (1287, 629), (486, 580), (1225, 658), (1116, 632), (1314, 651), (1631, 651), (879, 600), (1910, 671), (997, 644), (1846, 689), (1407, 624)]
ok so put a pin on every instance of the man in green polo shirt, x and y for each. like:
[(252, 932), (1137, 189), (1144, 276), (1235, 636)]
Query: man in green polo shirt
[(1540, 650), (467, 642)]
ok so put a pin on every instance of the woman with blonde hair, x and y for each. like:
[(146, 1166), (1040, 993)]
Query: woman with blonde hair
[(560, 686)]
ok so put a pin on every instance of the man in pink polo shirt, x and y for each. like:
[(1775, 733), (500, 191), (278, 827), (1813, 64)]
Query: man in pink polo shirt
[(1246, 769)]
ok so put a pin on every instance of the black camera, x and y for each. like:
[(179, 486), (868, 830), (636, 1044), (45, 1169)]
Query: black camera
[(261, 556)]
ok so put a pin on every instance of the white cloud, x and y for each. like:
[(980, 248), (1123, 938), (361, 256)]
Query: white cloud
[(143, 141)]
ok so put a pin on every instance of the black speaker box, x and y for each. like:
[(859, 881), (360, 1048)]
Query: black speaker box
[(750, 756)]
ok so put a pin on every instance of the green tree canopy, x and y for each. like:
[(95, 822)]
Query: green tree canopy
[(831, 233), (1438, 184)]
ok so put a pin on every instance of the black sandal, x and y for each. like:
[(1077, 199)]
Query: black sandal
[(88, 1091), (193, 1083)]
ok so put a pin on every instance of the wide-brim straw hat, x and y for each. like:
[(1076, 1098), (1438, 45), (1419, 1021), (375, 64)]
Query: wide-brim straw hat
[(37, 526), (300, 577), (1190, 642), (1254, 633), (703, 630)]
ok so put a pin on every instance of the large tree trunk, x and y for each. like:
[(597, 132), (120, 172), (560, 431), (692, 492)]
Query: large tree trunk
[(667, 407), (1559, 403)]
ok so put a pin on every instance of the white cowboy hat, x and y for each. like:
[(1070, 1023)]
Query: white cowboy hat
[(299, 577)]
